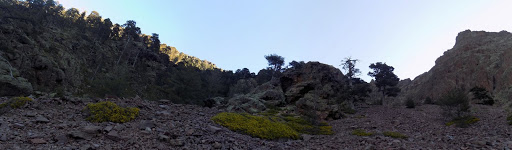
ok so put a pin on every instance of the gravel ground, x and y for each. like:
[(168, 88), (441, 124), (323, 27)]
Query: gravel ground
[(163, 125)]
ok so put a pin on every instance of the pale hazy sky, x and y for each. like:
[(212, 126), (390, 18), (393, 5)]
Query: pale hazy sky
[(235, 34)]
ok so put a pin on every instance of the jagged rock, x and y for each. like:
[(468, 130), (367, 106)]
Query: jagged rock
[(245, 103), (42, 119), (30, 114), (113, 135), (163, 137), (18, 125), (306, 137), (108, 128), (91, 129), (37, 141), (146, 124), (315, 89), (217, 145), (80, 135), (61, 139), (119, 127), (214, 129)]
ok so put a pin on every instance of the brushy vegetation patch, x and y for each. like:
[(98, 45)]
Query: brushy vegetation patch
[(395, 135), (256, 126), (18, 102), (109, 111), (410, 103), (361, 132), (463, 122), (301, 125)]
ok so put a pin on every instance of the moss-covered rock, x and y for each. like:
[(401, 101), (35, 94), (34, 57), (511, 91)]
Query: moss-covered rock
[(18, 102), (361, 132), (257, 126), (396, 135), (109, 111)]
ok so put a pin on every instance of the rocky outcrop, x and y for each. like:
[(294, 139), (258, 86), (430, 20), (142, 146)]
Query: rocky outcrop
[(11, 84), (316, 90), (478, 59)]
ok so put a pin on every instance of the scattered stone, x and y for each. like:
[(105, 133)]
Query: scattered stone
[(113, 135), (148, 130), (62, 126), (18, 125), (164, 101), (80, 135), (146, 124), (119, 127), (190, 132), (91, 129), (42, 119), (108, 128), (37, 141), (306, 137), (163, 113), (30, 114), (163, 106), (61, 139), (3, 137), (214, 129), (162, 137), (176, 142), (217, 145)]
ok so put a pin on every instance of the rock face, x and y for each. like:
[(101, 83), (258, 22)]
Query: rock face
[(10, 82), (315, 89), (478, 59)]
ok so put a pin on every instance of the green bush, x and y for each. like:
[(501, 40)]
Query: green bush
[(481, 94), (410, 103), (428, 100), (361, 132), (455, 104), (463, 122), (257, 126), (302, 125), (109, 111), (18, 102), (395, 135)]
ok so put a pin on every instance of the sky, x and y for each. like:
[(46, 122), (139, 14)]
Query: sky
[(235, 34)]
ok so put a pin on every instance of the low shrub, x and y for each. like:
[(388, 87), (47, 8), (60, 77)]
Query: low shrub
[(463, 122), (455, 104), (109, 111), (257, 126), (395, 135), (302, 125), (18, 102), (482, 95), (428, 100), (410, 103), (361, 132)]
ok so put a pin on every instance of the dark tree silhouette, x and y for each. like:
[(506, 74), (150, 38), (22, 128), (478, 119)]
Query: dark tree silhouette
[(385, 79), (131, 30), (349, 66), (275, 62), (244, 74), (155, 43)]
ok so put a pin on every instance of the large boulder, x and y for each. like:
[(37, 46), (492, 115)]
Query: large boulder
[(316, 89), (10, 82)]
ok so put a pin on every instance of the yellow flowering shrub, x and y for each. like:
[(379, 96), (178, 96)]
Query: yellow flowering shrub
[(17, 102), (361, 132), (256, 126), (395, 135), (109, 111)]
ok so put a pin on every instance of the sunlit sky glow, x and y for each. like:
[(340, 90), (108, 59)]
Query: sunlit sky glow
[(235, 34)]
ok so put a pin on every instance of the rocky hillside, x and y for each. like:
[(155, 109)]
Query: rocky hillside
[(45, 48), (478, 59)]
